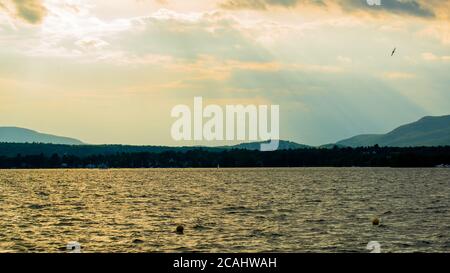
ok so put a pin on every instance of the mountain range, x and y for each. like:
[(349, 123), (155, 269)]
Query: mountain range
[(428, 131), (282, 145), (21, 135)]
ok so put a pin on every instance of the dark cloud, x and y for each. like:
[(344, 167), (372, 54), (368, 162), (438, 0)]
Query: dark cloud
[(31, 11), (406, 7)]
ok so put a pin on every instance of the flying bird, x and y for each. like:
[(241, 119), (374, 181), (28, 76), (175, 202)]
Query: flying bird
[(393, 52)]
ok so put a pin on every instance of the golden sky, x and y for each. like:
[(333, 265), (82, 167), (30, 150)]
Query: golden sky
[(109, 71)]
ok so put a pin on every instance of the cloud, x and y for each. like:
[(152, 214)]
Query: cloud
[(439, 30), (188, 37), (30, 11), (345, 60), (191, 35), (398, 75), (265, 4), (91, 43), (405, 7), (428, 56)]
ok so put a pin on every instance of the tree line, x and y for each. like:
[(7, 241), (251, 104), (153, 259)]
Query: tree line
[(208, 158)]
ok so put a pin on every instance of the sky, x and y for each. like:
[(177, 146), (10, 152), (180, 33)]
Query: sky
[(110, 71)]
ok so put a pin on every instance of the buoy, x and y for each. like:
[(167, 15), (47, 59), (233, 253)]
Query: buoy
[(180, 229), (376, 222)]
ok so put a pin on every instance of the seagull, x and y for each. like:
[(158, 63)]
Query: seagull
[(393, 52)]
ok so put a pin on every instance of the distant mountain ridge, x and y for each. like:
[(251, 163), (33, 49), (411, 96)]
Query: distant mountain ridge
[(22, 135), (12, 149), (428, 131), (282, 145)]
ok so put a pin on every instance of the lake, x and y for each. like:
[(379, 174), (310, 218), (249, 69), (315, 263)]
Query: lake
[(225, 210)]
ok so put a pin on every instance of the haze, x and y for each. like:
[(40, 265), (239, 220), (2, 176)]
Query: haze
[(111, 71)]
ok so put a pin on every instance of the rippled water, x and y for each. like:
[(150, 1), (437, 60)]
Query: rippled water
[(225, 210)]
